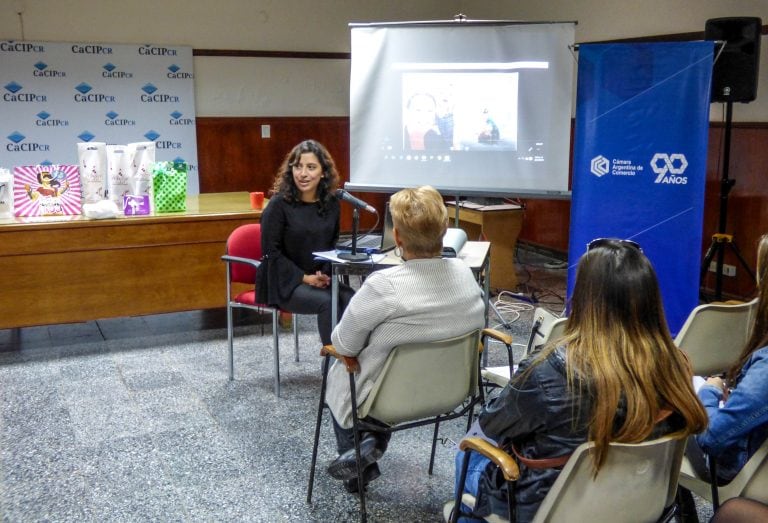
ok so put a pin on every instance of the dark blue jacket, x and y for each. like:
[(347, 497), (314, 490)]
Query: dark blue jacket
[(543, 419)]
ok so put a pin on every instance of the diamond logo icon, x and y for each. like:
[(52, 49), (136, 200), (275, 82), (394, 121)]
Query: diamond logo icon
[(13, 87), (174, 68), (176, 115), (43, 115), (599, 166), (109, 67), (41, 66), (83, 88), (46, 163), (112, 115), (149, 88), (151, 135), (179, 159), (86, 136), (16, 137)]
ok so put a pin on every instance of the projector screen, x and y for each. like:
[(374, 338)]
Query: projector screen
[(471, 108)]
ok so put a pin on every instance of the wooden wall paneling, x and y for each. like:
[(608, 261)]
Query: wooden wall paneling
[(233, 156), (747, 209)]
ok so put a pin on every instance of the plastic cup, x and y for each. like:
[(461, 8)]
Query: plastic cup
[(257, 200)]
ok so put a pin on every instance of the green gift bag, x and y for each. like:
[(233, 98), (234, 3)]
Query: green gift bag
[(169, 186)]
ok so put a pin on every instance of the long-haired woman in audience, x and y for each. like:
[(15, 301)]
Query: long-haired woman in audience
[(615, 376), (738, 428)]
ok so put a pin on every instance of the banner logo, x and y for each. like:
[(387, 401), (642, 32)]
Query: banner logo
[(91, 49), (153, 136), (668, 166), (152, 96), (190, 167), (109, 72), (16, 145), (85, 95), (599, 166), (44, 120), (174, 73), (13, 94), (86, 136), (156, 51), (112, 119), (21, 47), (176, 119), (41, 70)]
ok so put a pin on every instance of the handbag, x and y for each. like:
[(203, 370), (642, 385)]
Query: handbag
[(169, 186)]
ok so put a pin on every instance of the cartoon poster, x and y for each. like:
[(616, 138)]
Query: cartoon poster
[(46, 190)]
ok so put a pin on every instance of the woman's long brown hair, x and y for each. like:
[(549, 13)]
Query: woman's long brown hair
[(285, 185), (619, 346), (759, 336)]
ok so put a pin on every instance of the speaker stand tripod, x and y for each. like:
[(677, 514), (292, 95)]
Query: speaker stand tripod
[(720, 240)]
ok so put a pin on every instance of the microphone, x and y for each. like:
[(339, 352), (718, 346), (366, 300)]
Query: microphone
[(341, 194)]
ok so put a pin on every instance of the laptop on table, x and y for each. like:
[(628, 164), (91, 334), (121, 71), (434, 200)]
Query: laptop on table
[(373, 243)]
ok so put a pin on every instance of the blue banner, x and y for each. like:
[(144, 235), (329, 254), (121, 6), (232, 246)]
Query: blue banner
[(640, 153)]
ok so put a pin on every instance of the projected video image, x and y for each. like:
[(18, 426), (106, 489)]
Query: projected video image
[(481, 108), (459, 111)]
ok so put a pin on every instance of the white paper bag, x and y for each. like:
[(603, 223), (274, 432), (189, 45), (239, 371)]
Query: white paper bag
[(92, 162), (6, 193)]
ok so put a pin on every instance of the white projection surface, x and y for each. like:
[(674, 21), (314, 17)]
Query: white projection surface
[(471, 108)]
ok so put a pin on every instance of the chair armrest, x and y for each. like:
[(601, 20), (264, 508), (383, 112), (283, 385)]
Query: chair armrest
[(504, 461), (503, 337), (350, 362), (236, 259)]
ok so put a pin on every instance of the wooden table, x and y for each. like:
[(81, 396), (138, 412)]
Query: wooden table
[(500, 225), (59, 270)]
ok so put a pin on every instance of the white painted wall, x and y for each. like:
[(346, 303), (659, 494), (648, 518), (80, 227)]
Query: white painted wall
[(292, 87)]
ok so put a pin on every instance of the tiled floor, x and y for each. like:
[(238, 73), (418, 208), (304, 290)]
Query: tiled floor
[(134, 419)]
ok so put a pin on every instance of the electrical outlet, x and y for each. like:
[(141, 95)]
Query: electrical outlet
[(728, 270)]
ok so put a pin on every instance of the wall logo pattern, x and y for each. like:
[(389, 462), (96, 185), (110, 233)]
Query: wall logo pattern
[(55, 95)]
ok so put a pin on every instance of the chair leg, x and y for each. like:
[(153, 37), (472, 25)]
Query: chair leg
[(320, 406), (295, 337), (356, 433), (276, 350), (687, 506), (460, 490), (434, 444), (230, 336)]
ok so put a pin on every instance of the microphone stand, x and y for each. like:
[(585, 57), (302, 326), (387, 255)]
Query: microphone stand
[(354, 256)]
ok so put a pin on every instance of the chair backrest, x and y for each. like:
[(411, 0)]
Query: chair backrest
[(634, 485), (244, 242), (546, 327), (421, 380), (714, 335), (752, 480)]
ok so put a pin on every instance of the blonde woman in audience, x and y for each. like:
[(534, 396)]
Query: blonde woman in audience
[(427, 298)]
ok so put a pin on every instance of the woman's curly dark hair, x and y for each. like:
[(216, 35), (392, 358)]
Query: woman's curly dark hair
[(285, 186)]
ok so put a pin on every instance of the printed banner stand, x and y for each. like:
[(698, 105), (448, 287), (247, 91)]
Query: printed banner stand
[(640, 151), (56, 95)]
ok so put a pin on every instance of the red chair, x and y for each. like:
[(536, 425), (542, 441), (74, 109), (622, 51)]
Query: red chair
[(242, 258)]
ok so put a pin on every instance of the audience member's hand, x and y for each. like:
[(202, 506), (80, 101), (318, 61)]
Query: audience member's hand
[(318, 280), (718, 382)]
